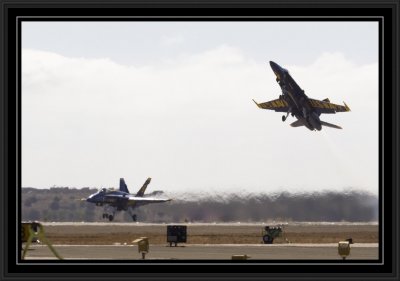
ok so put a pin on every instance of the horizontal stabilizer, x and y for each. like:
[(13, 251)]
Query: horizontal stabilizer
[(297, 123), (330, 125)]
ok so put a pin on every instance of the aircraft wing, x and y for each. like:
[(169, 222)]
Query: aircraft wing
[(137, 199), (140, 201), (325, 106), (148, 199), (277, 105)]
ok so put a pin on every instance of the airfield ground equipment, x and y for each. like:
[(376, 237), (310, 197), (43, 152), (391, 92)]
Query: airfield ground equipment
[(143, 245), (176, 234), (344, 249), (26, 227), (31, 231), (269, 233), (240, 257)]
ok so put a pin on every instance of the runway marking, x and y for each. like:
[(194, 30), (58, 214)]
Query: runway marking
[(205, 224), (356, 245)]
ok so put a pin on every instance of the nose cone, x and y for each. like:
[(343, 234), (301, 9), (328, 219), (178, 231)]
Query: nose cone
[(273, 64), (90, 199), (276, 69)]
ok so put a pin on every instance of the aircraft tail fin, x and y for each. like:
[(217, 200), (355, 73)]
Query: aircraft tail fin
[(330, 125), (143, 188), (297, 123), (122, 185)]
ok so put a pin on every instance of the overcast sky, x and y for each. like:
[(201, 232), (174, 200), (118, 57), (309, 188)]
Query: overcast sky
[(173, 101)]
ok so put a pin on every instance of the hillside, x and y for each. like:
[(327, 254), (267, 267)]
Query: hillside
[(65, 204)]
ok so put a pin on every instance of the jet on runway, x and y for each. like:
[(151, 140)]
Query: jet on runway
[(118, 200), (294, 101)]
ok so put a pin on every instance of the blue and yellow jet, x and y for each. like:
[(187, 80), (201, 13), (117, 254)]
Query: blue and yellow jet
[(118, 200), (294, 101)]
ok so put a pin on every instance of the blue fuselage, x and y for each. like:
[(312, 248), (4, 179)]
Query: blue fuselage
[(118, 199)]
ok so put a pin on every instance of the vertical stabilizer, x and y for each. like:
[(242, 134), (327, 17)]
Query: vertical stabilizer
[(143, 188), (122, 185)]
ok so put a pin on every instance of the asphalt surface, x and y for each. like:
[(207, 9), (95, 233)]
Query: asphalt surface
[(361, 251)]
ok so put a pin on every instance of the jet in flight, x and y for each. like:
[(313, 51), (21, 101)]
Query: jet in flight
[(122, 200), (295, 102)]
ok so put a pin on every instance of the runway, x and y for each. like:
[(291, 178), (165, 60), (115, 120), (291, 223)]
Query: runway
[(362, 251), (106, 233), (300, 241)]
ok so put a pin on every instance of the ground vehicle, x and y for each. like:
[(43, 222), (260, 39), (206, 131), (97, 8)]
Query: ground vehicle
[(270, 233)]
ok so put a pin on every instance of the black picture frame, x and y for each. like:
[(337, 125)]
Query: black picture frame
[(387, 12)]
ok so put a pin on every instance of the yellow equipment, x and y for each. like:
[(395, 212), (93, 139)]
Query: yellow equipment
[(143, 245), (344, 249), (30, 230), (240, 257)]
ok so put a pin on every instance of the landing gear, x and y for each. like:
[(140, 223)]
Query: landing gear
[(109, 213), (130, 210), (108, 216), (285, 117)]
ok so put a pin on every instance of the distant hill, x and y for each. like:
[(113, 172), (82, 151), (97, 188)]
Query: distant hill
[(65, 204)]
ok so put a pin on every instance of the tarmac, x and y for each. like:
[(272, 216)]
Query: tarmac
[(217, 242), (360, 251)]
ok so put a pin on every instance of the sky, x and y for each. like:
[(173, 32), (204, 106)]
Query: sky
[(173, 101)]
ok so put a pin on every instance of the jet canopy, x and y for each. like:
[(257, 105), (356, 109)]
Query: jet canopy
[(285, 70)]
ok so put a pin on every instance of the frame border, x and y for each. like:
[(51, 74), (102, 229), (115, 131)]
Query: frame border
[(11, 10)]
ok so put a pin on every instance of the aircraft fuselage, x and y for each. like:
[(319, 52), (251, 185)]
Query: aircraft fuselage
[(118, 199), (121, 200), (297, 100)]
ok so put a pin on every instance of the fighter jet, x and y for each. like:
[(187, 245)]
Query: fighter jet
[(118, 200), (295, 102)]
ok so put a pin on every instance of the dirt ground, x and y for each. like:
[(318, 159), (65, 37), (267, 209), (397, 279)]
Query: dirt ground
[(120, 233)]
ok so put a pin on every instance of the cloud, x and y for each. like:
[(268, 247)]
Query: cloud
[(172, 40), (190, 123)]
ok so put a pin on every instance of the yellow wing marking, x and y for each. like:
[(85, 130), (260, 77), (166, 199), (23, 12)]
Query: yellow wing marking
[(277, 105), (327, 107)]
